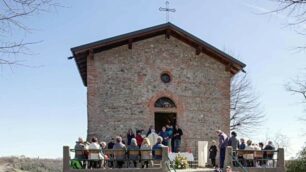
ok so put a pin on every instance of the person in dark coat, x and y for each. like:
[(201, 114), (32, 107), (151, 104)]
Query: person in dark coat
[(177, 136), (242, 144), (149, 130), (129, 136), (269, 147), (223, 142), (111, 144), (213, 153), (165, 135)]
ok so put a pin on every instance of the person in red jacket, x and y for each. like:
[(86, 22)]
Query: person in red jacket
[(139, 138)]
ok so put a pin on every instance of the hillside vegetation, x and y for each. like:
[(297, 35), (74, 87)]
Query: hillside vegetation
[(23, 164)]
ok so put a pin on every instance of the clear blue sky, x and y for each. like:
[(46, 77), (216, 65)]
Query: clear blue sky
[(44, 108)]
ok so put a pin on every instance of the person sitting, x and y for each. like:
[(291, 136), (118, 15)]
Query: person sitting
[(118, 155), (261, 145), (241, 147), (269, 146), (133, 147), (95, 157), (146, 155), (250, 156), (80, 155), (79, 149), (103, 147), (158, 147), (110, 145), (268, 153)]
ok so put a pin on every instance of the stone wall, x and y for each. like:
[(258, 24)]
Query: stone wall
[(123, 85)]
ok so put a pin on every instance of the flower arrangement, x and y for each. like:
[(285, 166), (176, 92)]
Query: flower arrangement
[(180, 162)]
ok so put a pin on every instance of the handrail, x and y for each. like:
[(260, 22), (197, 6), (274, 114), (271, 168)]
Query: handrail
[(169, 163), (239, 164)]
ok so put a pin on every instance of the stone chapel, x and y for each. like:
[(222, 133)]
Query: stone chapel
[(156, 76)]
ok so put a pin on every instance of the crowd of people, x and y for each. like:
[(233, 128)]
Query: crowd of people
[(246, 159), (168, 136)]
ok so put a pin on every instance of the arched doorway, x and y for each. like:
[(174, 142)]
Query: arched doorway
[(165, 114)]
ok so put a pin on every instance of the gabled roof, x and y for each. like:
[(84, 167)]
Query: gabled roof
[(80, 53)]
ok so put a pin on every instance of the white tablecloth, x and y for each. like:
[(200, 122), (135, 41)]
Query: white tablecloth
[(188, 155)]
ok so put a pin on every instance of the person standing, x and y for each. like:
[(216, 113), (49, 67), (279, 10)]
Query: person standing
[(249, 158), (139, 138), (150, 130), (177, 137), (223, 142), (169, 130), (129, 136), (242, 144), (233, 141), (213, 153), (164, 135), (152, 137)]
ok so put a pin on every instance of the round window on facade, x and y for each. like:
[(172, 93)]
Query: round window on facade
[(165, 77)]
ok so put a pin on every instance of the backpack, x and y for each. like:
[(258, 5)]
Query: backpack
[(76, 164)]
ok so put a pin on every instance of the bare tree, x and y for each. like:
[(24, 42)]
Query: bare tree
[(12, 16), (246, 114), (293, 8), (298, 87), (296, 13), (280, 140)]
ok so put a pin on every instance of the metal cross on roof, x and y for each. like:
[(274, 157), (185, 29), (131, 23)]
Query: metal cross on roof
[(167, 10)]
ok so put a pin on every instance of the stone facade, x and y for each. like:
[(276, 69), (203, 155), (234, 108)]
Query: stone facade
[(123, 85)]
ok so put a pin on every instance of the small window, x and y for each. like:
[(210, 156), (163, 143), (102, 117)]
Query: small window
[(164, 102), (165, 77)]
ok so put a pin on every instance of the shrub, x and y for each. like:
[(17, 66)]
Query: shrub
[(299, 164), (181, 162)]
